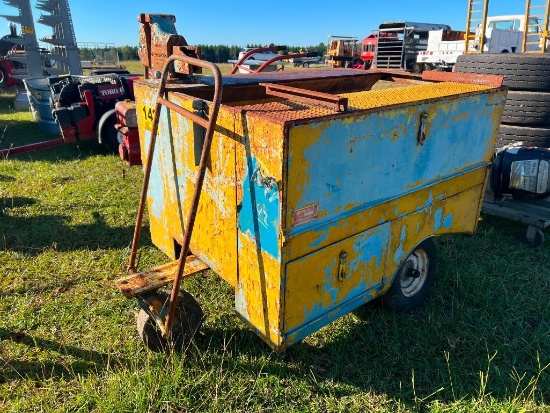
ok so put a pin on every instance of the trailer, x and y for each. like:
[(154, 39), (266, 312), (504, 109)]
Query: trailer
[(399, 43), (308, 192)]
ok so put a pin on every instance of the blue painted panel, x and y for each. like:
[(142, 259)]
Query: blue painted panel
[(313, 287), (259, 214), (368, 161)]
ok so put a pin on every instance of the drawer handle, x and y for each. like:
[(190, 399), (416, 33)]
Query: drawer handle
[(342, 266), (422, 129)]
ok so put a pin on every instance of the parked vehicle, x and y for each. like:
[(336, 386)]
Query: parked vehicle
[(368, 50), (399, 43), (266, 55), (503, 34), (343, 51), (305, 61)]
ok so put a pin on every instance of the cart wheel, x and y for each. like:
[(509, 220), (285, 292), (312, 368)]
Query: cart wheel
[(187, 321), (413, 279), (534, 237)]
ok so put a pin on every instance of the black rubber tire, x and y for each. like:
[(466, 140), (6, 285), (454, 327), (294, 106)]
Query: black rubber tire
[(520, 71), (187, 322), (305, 64), (106, 132), (408, 291), (528, 136), (3, 77), (527, 109)]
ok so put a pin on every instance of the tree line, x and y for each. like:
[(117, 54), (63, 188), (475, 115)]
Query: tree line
[(211, 53)]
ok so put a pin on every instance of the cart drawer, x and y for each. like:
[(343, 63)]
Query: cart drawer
[(333, 280)]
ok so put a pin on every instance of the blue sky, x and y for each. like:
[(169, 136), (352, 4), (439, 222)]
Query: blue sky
[(294, 23)]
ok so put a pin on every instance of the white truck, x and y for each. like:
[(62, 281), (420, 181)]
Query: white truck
[(503, 34)]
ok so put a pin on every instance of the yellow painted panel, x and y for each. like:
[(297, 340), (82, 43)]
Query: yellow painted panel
[(453, 215), (173, 180), (315, 291), (328, 278), (258, 297), (408, 94), (306, 242)]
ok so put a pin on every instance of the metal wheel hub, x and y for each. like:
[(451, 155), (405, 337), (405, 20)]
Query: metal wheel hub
[(414, 272)]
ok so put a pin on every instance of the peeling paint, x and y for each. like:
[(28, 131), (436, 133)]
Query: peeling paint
[(441, 221), (378, 192), (400, 253), (260, 205)]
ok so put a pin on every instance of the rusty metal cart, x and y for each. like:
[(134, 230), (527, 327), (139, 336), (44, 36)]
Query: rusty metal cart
[(311, 193)]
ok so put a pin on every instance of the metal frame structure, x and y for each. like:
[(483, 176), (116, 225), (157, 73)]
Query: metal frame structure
[(535, 34), (242, 62)]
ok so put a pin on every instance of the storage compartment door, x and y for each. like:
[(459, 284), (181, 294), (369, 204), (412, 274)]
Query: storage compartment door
[(333, 281)]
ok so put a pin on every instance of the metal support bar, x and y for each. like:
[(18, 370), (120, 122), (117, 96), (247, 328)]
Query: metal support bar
[(4, 153), (340, 104), (242, 60)]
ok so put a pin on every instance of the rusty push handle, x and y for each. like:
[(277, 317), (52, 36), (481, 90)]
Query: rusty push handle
[(209, 126), (151, 150)]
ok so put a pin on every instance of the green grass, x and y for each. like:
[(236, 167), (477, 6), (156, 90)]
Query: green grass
[(68, 341)]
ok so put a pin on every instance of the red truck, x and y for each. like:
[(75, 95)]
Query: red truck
[(368, 50)]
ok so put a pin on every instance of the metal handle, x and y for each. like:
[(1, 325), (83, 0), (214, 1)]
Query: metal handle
[(342, 266), (421, 137), (209, 126)]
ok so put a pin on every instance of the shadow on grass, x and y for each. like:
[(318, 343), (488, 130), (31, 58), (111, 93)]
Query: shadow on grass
[(6, 178), (31, 236), (73, 360), (485, 319), (16, 202)]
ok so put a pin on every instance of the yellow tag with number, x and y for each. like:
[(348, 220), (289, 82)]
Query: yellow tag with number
[(148, 114), (27, 30)]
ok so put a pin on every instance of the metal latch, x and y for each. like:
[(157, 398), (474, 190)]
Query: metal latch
[(342, 266), (422, 129)]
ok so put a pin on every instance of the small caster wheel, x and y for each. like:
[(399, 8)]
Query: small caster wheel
[(187, 322), (534, 237), (414, 278)]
